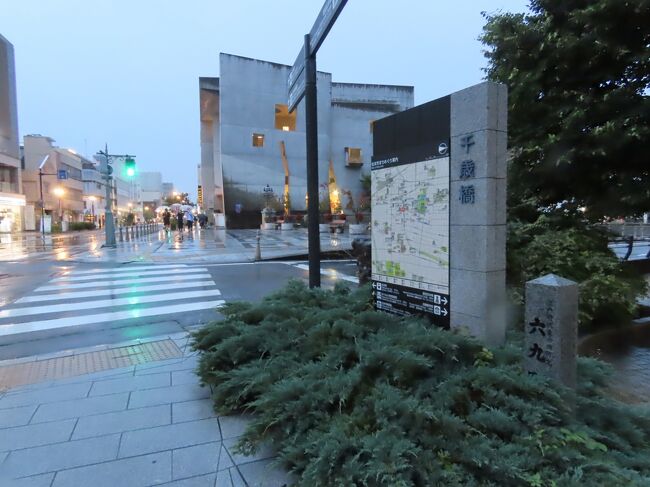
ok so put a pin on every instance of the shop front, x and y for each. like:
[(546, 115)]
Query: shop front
[(11, 212)]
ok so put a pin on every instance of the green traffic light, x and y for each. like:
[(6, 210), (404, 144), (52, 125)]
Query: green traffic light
[(129, 167)]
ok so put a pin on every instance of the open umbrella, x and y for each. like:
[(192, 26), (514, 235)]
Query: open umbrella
[(187, 207)]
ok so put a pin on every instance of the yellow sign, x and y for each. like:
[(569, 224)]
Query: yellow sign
[(200, 195)]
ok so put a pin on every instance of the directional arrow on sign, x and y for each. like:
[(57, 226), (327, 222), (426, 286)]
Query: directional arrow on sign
[(444, 312), (444, 300)]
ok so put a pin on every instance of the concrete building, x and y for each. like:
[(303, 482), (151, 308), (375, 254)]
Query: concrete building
[(249, 139), (63, 198), (12, 201), (94, 193), (152, 188), (167, 190)]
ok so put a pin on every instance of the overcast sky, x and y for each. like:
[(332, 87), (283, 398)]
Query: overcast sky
[(126, 72)]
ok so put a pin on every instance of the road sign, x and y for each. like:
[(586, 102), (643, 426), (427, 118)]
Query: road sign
[(324, 22), (297, 91), (326, 18), (62, 174)]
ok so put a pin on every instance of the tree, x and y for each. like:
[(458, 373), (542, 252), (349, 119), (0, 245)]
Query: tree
[(578, 73)]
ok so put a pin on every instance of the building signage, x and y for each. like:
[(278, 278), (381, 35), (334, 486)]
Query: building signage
[(410, 174), (62, 174)]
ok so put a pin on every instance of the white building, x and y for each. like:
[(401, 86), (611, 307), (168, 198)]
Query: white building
[(152, 188), (249, 139), (12, 201)]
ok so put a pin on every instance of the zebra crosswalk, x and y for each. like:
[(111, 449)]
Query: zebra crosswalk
[(105, 296)]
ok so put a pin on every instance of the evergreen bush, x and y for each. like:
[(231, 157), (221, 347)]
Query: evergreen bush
[(354, 397)]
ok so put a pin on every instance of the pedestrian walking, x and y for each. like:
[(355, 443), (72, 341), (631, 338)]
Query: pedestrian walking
[(179, 220), (189, 219), (203, 219), (167, 221)]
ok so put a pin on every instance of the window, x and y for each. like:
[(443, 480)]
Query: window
[(283, 119), (258, 140), (353, 156)]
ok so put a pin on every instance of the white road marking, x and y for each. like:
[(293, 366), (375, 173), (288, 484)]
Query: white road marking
[(111, 292), (146, 272), (103, 303), (189, 276), (12, 329), (331, 273), (127, 269)]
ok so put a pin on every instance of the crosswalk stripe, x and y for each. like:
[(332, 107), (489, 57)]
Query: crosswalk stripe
[(112, 282), (118, 270), (111, 292), (331, 273), (12, 329), (145, 273), (104, 303)]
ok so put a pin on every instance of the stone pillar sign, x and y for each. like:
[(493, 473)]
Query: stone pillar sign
[(477, 218), (551, 328)]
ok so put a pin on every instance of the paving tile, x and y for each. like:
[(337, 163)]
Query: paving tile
[(186, 363), (265, 474), (223, 479), (233, 426), (168, 437), (45, 395), (264, 452), (59, 456), (129, 472), (224, 459), (195, 460), (167, 395), (180, 377), (119, 421), (44, 480), (35, 435), (131, 383), (193, 410), (201, 481), (16, 416), (81, 407)]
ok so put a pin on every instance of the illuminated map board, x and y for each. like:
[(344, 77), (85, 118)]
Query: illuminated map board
[(410, 172)]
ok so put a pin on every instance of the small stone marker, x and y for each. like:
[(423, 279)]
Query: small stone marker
[(551, 328)]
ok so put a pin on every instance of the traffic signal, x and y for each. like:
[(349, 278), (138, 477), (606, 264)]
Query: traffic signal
[(129, 167)]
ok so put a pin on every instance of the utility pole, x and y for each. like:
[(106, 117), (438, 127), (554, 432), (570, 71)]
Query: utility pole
[(109, 223)]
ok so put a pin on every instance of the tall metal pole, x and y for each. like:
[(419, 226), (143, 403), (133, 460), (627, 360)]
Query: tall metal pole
[(109, 226), (40, 182), (311, 127)]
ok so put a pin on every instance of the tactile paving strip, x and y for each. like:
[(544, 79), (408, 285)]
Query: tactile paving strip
[(86, 363)]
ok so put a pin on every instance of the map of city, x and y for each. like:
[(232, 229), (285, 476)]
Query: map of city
[(410, 225)]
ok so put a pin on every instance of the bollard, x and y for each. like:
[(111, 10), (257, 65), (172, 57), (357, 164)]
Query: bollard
[(258, 250), (121, 236)]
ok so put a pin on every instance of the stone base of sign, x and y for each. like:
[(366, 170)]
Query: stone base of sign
[(551, 328), (477, 233)]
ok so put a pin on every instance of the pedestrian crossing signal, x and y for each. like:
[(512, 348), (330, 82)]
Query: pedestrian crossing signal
[(129, 167)]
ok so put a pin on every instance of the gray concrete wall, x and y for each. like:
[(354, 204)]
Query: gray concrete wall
[(478, 229), (9, 142), (249, 89)]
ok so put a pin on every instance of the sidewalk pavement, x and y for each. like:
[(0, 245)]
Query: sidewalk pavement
[(214, 246), (143, 425)]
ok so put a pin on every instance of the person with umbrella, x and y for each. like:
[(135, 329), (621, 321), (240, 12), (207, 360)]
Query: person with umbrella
[(179, 221)]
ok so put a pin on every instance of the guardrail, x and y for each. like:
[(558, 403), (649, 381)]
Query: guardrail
[(138, 231), (639, 231)]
